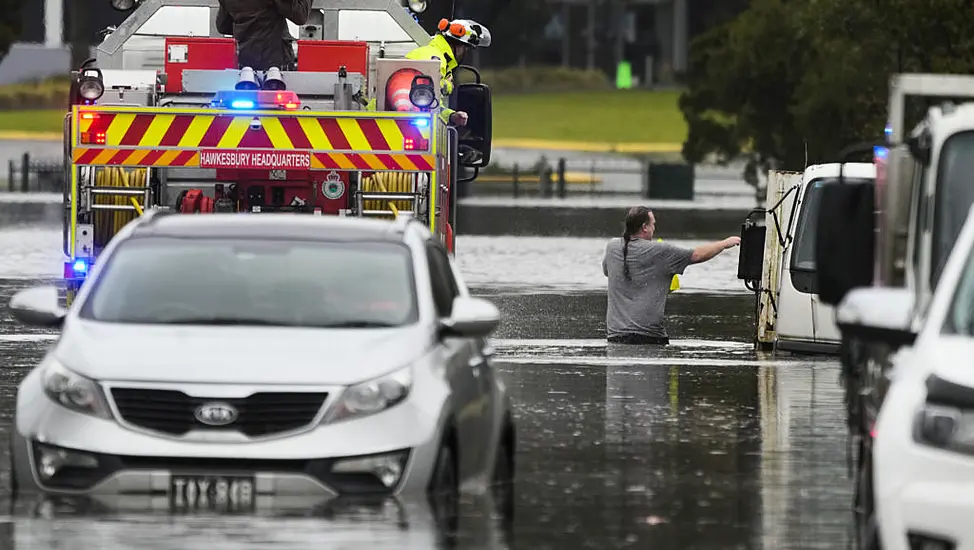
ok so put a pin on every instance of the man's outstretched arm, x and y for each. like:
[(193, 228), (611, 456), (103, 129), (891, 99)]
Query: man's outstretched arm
[(708, 251)]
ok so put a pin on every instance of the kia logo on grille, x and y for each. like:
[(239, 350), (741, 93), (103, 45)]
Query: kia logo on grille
[(216, 414)]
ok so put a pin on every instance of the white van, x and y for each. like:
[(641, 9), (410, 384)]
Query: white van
[(805, 324)]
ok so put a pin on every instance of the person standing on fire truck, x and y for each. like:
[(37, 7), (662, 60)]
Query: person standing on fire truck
[(449, 46), (260, 28)]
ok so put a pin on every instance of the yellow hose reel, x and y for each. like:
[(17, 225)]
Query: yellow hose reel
[(109, 222), (388, 182)]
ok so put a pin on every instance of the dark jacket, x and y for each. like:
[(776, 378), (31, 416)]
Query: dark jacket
[(261, 31)]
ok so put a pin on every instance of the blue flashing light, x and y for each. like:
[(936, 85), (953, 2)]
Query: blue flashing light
[(421, 122), (242, 104), (80, 266), (880, 153)]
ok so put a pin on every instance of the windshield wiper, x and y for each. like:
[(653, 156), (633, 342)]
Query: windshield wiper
[(359, 324), (227, 321), (237, 321)]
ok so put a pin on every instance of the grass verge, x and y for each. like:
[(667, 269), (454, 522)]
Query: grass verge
[(587, 117), (612, 116), (32, 121)]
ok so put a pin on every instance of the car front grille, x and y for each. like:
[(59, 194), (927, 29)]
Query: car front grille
[(174, 412)]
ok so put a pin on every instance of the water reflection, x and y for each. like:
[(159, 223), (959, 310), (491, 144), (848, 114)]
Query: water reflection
[(85, 523), (682, 456), (805, 482)]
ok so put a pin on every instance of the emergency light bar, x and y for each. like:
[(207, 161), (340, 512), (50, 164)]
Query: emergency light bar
[(256, 99), (77, 269)]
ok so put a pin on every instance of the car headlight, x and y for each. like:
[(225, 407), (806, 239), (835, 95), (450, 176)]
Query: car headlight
[(373, 396), (73, 391), (945, 428)]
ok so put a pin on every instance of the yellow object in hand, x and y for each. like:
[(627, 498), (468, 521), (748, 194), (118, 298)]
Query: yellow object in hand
[(675, 283)]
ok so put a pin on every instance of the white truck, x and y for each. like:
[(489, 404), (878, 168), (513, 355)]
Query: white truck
[(921, 197)]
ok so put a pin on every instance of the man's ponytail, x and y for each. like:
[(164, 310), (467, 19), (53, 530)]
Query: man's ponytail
[(635, 219), (625, 255)]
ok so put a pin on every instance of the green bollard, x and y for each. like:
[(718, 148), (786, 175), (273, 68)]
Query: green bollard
[(624, 76)]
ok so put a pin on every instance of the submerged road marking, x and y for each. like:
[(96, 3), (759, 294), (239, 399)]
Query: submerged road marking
[(27, 337), (599, 362), (601, 343)]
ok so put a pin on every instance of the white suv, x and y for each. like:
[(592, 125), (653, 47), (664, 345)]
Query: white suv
[(226, 360)]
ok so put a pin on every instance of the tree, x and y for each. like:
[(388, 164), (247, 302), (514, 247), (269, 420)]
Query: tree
[(741, 79), (791, 83), (10, 24)]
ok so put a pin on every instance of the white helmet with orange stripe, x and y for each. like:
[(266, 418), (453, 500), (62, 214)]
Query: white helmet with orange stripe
[(467, 31)]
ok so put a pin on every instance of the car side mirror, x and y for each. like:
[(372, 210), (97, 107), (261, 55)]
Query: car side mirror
[(471, 318), (844, 239), (878, 314), (474, 99), (38, 306)]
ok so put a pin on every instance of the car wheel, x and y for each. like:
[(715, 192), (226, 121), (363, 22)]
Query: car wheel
[(444, 493), (503, 479), (867, 529), (445, 479), (14, 488)]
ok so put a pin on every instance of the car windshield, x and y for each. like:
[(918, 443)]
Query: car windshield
[(953, 198), (155, 280), (803, 253), (960, 317)]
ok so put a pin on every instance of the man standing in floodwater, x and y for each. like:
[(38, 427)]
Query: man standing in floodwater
[(640, 271)]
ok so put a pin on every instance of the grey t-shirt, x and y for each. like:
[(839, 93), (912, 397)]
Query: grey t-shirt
[(636, 306)]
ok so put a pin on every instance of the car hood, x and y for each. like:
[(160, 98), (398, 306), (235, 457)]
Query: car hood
[(947, 357), (237, 355)]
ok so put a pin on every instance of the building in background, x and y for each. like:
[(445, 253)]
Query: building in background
[(51, 29), (652, 36)]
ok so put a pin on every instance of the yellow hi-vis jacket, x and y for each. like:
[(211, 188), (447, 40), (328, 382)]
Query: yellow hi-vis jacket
[(439, 49), (675, 283)]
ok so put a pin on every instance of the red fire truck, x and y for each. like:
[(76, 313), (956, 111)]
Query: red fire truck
[(163, 118)]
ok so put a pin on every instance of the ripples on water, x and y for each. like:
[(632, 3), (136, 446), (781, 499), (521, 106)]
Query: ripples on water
[(700, 445)]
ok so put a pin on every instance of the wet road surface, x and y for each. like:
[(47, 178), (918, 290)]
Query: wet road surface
[(704, 444)]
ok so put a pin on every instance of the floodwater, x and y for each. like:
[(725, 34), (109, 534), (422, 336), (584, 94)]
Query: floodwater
[(702, 445)]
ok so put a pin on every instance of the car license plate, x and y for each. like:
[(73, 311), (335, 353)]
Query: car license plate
[(212, 492)]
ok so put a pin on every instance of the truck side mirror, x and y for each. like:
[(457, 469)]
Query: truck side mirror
[(750, 263), (920, 147), (845, 239), (845, 244), (474, 99)]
